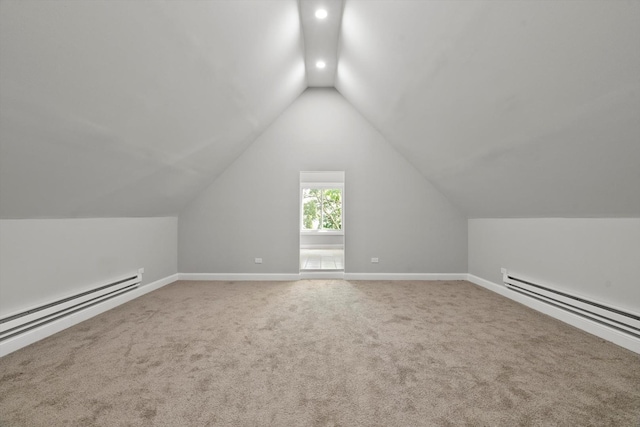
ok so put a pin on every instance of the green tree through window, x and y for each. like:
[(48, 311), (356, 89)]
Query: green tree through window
[(321, 209)]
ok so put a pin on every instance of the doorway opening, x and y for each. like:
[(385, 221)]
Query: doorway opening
[(322, 227)]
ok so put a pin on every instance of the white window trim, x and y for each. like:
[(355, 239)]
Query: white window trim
[(323, 232)]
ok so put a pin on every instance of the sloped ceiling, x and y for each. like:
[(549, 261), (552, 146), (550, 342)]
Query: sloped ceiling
[(511, 108), (131, 108), (321, 40)]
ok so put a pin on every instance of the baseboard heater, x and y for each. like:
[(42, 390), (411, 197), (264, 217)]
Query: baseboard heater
[(614, 317), (26, 320)]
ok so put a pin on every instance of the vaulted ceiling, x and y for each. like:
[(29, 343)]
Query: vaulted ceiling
[(511, 109), (131, 108)]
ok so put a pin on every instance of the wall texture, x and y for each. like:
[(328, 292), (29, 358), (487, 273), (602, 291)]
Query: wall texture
[(391, 211), (51, 258), (596, 258), (311, 240)]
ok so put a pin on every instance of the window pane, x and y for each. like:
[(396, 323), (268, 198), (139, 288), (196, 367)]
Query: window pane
[(332, 209), (311, 208)]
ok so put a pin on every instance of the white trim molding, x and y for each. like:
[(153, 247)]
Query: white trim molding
[(405, 276), (240, 277), (623, 340), (303, 275), (23, 340), (322, 246)]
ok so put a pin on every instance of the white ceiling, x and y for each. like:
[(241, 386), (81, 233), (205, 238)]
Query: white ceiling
[(321, 40), (131, 108), (512, 109)]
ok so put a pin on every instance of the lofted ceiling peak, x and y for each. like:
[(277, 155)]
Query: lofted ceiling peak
[(321, 22)]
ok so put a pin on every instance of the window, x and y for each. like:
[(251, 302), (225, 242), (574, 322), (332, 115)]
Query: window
[(321, 209)]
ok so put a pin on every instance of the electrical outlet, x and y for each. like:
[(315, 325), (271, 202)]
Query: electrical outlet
[(374, 260), (258, 261), (141, 271)]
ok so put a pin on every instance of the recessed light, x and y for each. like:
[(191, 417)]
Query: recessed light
[(321, 13), (320, 64)]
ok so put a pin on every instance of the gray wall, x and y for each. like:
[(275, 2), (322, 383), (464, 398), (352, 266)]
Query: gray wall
[(50, 258), (311, 240), (596, 258), (391, 211)]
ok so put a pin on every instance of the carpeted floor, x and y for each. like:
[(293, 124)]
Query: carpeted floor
[(321, 353)]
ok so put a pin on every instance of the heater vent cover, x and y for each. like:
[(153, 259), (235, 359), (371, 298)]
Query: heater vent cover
[(26, 320)]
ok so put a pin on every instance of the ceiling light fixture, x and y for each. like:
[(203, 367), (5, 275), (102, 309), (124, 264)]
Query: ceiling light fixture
[(321, 13), (320, 64)]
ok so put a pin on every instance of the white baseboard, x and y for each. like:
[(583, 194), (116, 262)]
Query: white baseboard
[(623, 340), (321, 275), (322, 246), (405, 276), (23, 340), (240, 277)]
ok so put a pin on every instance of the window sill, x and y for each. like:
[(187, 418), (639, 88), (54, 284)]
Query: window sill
[(322, 233)]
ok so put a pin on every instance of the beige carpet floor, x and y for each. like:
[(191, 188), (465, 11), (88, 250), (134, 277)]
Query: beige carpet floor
[(321, 353)]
